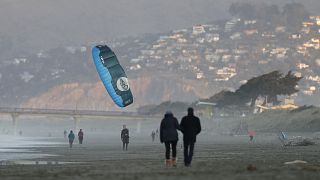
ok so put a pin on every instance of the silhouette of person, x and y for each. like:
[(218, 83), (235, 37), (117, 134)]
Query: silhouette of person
[(169, 136), (125, 137), (71, 137), (190, 127), (65, 134), (153, 135), (80, 136)]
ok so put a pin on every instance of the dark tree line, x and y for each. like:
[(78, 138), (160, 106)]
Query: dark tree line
[(268, 85)]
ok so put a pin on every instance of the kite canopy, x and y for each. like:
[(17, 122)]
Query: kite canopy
[(112, 75)]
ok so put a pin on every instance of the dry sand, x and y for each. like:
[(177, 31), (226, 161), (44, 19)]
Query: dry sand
[(216, 157)]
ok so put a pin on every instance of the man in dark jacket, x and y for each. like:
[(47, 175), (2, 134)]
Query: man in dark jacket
[(80, 136), (125, 138), (169, 135), (190, 127)]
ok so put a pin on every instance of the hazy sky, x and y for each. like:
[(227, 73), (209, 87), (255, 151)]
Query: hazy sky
[(37, 24)]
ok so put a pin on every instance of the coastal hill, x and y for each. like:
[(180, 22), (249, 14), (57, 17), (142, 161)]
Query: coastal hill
[(180, 65)]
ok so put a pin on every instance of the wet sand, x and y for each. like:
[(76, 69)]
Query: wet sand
[(216, 157)]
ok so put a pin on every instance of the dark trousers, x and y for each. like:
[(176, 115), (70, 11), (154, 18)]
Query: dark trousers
[(188, 151), (125, 146), (70, 143), (80, 140), (173, 145)]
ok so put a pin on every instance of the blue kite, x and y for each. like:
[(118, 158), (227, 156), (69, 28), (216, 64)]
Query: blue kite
[(112, 75)]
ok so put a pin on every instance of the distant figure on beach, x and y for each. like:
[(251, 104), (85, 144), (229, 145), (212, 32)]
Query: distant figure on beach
[(65, 134), (80, 136), (125, 137), (190, 127), (20, 133), (153, 135), (251, 135), (71, 137), (157, 132), (169, 136)]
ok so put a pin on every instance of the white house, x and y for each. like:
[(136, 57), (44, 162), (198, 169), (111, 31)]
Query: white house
[(198, 29)]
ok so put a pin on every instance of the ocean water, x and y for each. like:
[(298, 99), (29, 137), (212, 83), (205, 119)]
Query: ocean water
[(22, 148)]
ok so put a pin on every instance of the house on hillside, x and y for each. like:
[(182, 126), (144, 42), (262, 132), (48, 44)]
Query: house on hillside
[(314, 78), (280, 29), (221, 51), (198, 29), (268, 35), (307, 24), (225, 73), (316, 19), (249, 22), (231, 24), (212, 57), (305, 30), (182, 40), (200, 75), (295, 36), (302, 66), (302, 50), (235, 36), (212, 37), (251, 32)]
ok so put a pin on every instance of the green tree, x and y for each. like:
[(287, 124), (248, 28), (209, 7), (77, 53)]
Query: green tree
[(268, 85)]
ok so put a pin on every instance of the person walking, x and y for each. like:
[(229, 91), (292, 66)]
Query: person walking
[(71, 137), (125, 138), (251, 135), (190, 127), (153, 135), (169, 136), (65, 134), (80, 136)]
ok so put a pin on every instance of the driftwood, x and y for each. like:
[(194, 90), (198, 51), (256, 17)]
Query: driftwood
[(299, 142), (295, 141)]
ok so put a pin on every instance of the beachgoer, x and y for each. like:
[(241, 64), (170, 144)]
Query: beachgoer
[(190, 127), (153, 135), (125, 138), (65, 134), (80, 136), (251, 135), (169, 136), (71, 137)]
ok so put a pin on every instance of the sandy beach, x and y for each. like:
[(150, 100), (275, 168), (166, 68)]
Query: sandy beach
[(216, 157)]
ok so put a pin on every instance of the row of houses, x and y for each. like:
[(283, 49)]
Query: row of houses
[(216, 50)]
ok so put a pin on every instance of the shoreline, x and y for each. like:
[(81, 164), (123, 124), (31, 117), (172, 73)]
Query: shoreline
[(17, 148), (216, 157)]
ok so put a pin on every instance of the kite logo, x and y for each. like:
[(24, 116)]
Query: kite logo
[(102, 60), (122, 84)]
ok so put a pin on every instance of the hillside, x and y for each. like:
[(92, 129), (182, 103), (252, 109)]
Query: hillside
[(299, 120), (181, 65)]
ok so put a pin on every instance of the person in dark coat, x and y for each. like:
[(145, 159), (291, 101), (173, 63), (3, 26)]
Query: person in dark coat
[(153, 135), (80, 136), (190, 127), (169, 136), (125, 138)]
